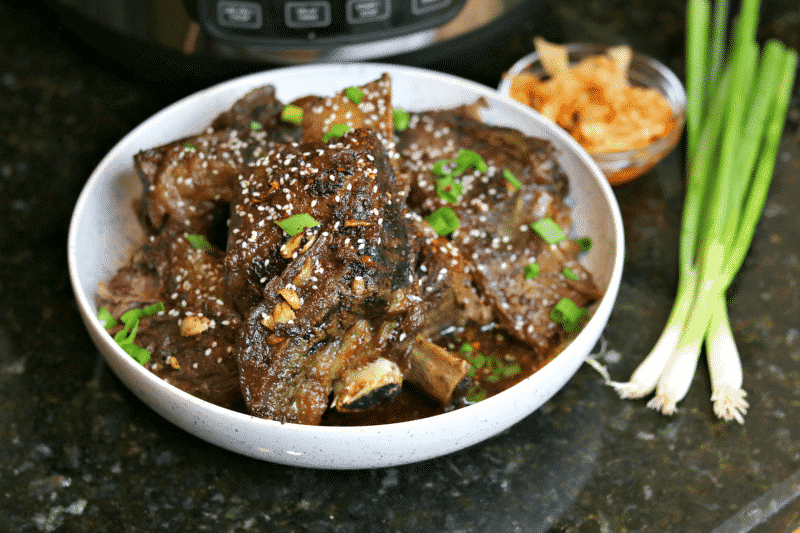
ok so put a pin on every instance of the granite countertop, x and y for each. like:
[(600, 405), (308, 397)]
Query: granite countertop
[(79, 452)]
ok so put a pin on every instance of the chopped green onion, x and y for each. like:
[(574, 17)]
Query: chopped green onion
[(438, 167), (531, 271), (199, 242), (297, 223), (548, 230), (153, 309), (567, 313), (336, 131), (189, 146), (466, 348), (475, 395), (105, 316), (449, 189), (511, 369), (401, 119), (141, 355), (569, 274), (131, 317), (443, 220), (584, 244), (468, 158), (292, 114), (512, 179), (479, 361), (355, 94), (256, 126), (127, 335)]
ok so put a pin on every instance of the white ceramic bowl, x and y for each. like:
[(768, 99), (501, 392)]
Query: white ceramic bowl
[(104, 231)]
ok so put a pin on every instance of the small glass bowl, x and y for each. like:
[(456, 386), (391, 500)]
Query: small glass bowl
[(625, 166)]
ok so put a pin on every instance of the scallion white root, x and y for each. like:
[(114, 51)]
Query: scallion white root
[(725, 366), (644, 379)]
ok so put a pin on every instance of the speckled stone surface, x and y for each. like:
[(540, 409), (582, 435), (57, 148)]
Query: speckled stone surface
[(78, 452)]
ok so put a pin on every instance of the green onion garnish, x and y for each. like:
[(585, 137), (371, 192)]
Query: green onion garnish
[(292, 114), (567, 313), (468, 158), (105, 316), (297, 223), (448, 189), (127, 335), (443, 220), (199, 242), (466, 348), (548, 230), (479, 361), (336, 131), (256, 126), (569, 274), (584, 244), (512, 179), (189, 146), (531, 271), (400, 119), (438, 167), (355, 94), (475, 395), (153, 309)]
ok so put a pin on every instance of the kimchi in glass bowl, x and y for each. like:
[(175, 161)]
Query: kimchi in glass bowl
[(621, 166), (105, 231)]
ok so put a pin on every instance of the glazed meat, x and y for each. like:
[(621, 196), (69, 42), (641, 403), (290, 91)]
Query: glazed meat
[(194, 339), (344, 292), (495, 236), (186, 182), (300, 274)]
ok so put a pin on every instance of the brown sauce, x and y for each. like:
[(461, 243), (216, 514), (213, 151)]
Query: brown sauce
[(413, 404)]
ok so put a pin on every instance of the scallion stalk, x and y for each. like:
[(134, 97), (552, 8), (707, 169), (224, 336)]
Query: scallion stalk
[(735, 115)]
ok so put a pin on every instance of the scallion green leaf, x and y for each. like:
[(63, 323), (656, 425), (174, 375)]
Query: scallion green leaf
[(449, 189), (444, 221), (354, 94), (189, 146), (105, 316), (438, 167), (531, 271), (292, 114), (199, 242), (584, 244), (512, 179), (400, 118), (255, 126), (548, 230), (466, 159), (297, 223), (335, 131), (475, 395), (567, 313), (569, 274)]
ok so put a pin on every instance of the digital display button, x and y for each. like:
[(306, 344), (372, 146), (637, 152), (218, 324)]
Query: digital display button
[(364, 11), (421, 7), (245, 15), (307, 14)]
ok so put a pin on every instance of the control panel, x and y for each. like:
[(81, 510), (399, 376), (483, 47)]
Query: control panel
[(319, 23)]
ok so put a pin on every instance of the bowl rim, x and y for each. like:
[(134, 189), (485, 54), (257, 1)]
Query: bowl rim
[(125, 363), (678, 104)]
